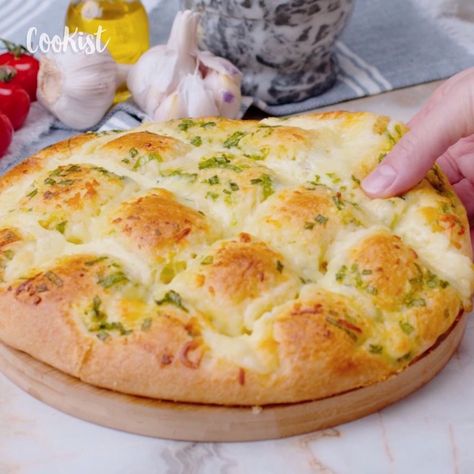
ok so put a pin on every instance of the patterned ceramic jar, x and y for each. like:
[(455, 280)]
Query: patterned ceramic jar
[(284, 48)]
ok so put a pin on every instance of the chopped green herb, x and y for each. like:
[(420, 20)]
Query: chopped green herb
[(115, 326), (133, 152), (220, 161), (208, 124), (170, 270), (61, 227), (97, 260), (113, 279), (196, 141), (412, 302), (267, 185), (406, 327), (174, 298), (103, 327), (354, 277), (263, 155), (432, 281), (233, 186), (207, 260), (102, 170), (398, 130), (357, 181), (341, 273), (309, 225), (234, 139), (316, 181), (211, 195), (333, 177), (212, 180), (337, 199), (50, 181), (279, 266), (62, 172), (375, 349), (32, 194), (54, 279), (66, 182), (185, 124), (320, 219), (192, 177), (405, 357), (97, 313)]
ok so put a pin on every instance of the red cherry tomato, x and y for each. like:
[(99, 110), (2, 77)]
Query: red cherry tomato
[(14, 103), (6, 134), (26, 65)]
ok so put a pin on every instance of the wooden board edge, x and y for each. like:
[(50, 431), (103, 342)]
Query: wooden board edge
[(208, 423)]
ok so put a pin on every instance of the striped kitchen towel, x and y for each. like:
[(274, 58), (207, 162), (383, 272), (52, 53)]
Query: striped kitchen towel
[(387, 45)]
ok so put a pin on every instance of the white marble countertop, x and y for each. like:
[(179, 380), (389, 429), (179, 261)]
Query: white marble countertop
[(431, 431)]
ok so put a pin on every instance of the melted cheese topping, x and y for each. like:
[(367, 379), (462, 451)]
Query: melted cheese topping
[(228, 223)]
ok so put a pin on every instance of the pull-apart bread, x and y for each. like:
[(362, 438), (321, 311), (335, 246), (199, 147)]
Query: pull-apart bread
[(228, 262)]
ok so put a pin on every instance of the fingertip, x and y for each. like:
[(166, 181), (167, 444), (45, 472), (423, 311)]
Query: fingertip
[(379, 181)]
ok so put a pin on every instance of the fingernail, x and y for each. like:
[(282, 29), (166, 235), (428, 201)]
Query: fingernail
[(379, 180)]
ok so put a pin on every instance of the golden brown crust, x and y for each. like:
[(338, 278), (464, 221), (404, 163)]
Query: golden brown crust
[(228, 262), (36, 316), (156, 223), (241, 270)]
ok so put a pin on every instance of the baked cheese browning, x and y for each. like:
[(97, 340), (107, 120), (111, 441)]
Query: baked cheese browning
[(144, 151), (236, 282), (321, 336), (66, 198), (40, 303), (405, 296), (161, 228), (381, 267), (239, 255), (302, 222)]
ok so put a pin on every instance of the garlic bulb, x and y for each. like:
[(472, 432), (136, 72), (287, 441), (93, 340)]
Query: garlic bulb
[(78, 87), (177, 80)]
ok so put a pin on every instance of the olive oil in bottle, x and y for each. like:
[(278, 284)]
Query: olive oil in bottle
[(124, 24)]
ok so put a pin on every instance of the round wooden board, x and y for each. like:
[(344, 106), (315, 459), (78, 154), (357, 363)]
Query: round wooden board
[(194, 422)]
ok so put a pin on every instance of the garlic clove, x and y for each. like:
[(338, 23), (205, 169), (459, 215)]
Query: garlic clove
[(198, 100), (78, 88), (172, 107), (226, 93)]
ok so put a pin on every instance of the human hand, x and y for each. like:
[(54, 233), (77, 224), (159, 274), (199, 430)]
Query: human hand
[(442, 131)]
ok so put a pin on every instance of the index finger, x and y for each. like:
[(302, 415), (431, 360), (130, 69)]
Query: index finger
[(450, 119)]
